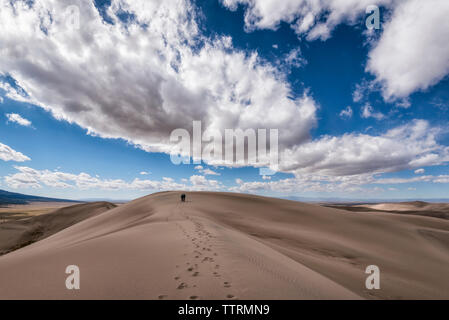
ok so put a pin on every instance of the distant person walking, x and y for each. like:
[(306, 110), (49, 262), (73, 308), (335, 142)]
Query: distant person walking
[(183, 197)]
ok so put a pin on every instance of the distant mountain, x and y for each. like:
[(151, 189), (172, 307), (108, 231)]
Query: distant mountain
[(7, 197)]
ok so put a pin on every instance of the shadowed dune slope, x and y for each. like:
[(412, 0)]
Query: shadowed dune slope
[(232, 246), (20, 233)]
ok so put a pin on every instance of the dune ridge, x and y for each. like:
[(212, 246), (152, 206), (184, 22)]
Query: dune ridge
[(418, 208), (233, 246), (19, 233)]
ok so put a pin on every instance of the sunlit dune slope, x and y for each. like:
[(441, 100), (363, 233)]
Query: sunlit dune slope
[(233, 246)]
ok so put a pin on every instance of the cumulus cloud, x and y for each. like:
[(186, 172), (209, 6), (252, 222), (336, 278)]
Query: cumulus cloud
[(27, 177), (9, 154), (314, 19), (360, 184), (17, 118), (412, 53), (346, 113), (442, 179), (405, 180), (419, 171), (406, 147), (368, 112), (304, 183), (141, 79), (31, 178), (294, 58), (200, 183), (206, 171)]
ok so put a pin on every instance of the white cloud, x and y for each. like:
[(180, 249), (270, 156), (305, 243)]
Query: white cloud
[(206, 171), (13, 93), (9, 154), (314, 19), (346, 113), (144, 173), (409, 146), (139, 80), (360, 184), (200, 183), (210, 172), (27, 177), (31, 178), (419, 171), (412, 53), (294, 58), (404, 180), (304, 183), (442, 179), (16, 118), (368, 112)]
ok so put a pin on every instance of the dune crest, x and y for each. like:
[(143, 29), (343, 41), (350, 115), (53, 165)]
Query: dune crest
[(233, 246), (19, 233)]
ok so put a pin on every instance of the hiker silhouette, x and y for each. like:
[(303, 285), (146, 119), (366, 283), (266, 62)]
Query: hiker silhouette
[(183, 197)]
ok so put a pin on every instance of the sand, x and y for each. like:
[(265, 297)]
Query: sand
[(231, 246), (419, 208), (22, 211), (19, 232)]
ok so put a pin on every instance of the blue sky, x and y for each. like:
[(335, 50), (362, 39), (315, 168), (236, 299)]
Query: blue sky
[(87, 109)]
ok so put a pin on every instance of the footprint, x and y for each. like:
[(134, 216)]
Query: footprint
[(193, 297), (229, 296), (196, 274), (162, 296), (182, 286), (177, 278)]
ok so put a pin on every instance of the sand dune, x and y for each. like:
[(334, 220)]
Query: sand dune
[(12, 212), (231, 246), (419, 208), (17, 233)]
